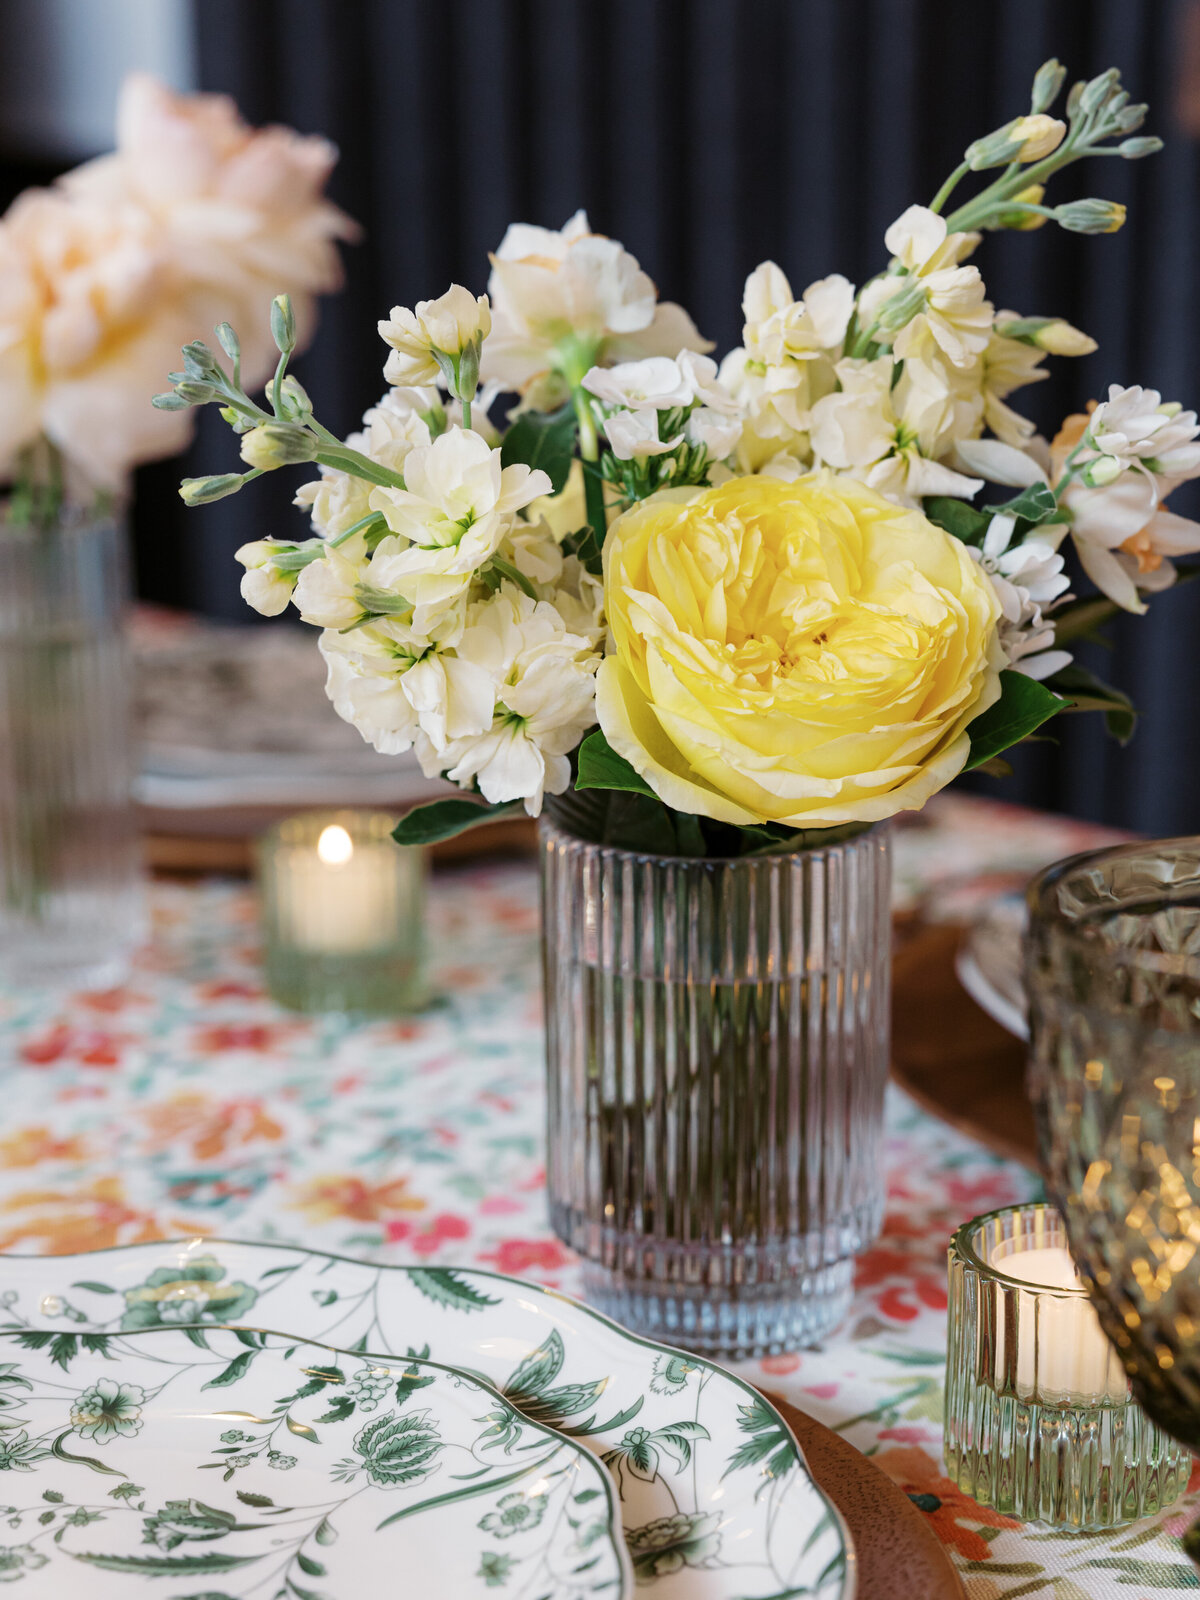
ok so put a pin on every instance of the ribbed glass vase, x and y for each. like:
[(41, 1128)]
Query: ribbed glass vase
[(717, 1042), (71, 905)]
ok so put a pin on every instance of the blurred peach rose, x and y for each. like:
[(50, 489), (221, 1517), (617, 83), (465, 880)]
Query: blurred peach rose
[(195, 219), (242, 210)]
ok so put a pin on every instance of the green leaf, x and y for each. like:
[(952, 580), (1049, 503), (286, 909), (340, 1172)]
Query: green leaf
[(232, 1372), (443, 819), (542, 439), (1150, 1574), (1033, 505), (1087, 692), (584, 544), (302, 1430), (250, 1499), (1023, 706), (341, 1408), (94, 1288), (59, 1450), (311, 1568), (326, 1532), (165, 1566), (957, 518), (600, 767), (448, 1289), (63, 1349)]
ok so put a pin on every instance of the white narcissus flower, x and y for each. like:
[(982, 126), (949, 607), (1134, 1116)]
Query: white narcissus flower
[(656, 384), (453, 323), (566, 301), (633, 435), (1026, 577), (891, 436), (544, 679)]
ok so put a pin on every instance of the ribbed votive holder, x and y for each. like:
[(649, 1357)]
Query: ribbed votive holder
[(1039, 1420)]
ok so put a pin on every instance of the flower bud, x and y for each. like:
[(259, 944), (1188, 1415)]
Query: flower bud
[(257, 553), (194, 393), (1036, 136), (200, 491), (1104, 470), (898, 310), (228, 340), (1090, 216), (1024, 221), (993, 150), (198, 361), (293, 400), (1135, 149), (1047, 82), (169, 402), (1169, 408), (1061, 339), (277, 444), (1131, 118), (1099, 90), (283, 323)]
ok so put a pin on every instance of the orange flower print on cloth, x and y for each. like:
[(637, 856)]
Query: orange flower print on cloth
[(207, 1127), (30, 1147), (956, 1518), (93, 1217), (326, 1199)]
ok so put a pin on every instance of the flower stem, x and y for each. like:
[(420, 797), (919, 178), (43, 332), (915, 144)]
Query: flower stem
[(948, 188), (589, 449), (466, 405)]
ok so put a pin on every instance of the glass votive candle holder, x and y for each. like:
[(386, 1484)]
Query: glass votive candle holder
[(342, 914), (1039, 1421)]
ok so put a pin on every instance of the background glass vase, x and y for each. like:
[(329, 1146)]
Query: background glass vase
[(70, 888), (1113, 970), (717, 1043)]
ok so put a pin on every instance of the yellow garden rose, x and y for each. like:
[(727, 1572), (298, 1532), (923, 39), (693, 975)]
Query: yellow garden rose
[(802, 653)]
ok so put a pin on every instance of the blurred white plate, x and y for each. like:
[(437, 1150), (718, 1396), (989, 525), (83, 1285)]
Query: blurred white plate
[(989, 964)]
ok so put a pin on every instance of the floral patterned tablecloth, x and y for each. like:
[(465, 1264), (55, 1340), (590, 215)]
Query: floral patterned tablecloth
[(186, 1102)]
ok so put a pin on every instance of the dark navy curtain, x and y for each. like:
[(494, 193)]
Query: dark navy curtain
[(708, 135)]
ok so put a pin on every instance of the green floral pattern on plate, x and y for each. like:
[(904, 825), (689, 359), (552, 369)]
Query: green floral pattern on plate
[(421, 1486), (715, 1500)]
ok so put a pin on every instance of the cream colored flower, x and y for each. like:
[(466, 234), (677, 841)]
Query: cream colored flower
[(634, 435), (655, 384), (454, 323), (1037, 135), (893, 436), (545, 701), (568, 301), (790, 346), (263, 586), (1009, 364), (720, 435), (327, 589), (944, 302)]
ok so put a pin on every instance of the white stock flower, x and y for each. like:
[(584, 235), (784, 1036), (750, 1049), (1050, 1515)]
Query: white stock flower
[(890, 437), (566, 301), (949, 309), (449, 521), (747, 387), (532, 548), (1009, 364), (336, 500), (326, 592), (719, 434), (790, 345), (544, 681), (655, 384), (633, 435), (702, 375), (263, 586), (1026, 577), (391, 690), (453, 323)]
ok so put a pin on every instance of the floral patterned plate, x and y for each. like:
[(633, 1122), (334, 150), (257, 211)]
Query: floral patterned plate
[(328, 1474), (716, 1501)]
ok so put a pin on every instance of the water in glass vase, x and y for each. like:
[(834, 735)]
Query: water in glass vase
[(70, 888), (717, 1036)]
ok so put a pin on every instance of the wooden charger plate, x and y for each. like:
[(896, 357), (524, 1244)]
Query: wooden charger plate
[(952, 1057), (898, 1555)]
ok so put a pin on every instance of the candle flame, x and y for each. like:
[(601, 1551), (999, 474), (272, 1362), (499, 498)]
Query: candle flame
[(335, 846)]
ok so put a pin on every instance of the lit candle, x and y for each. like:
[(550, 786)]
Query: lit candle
[(1061, 1351), (340, 898)]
